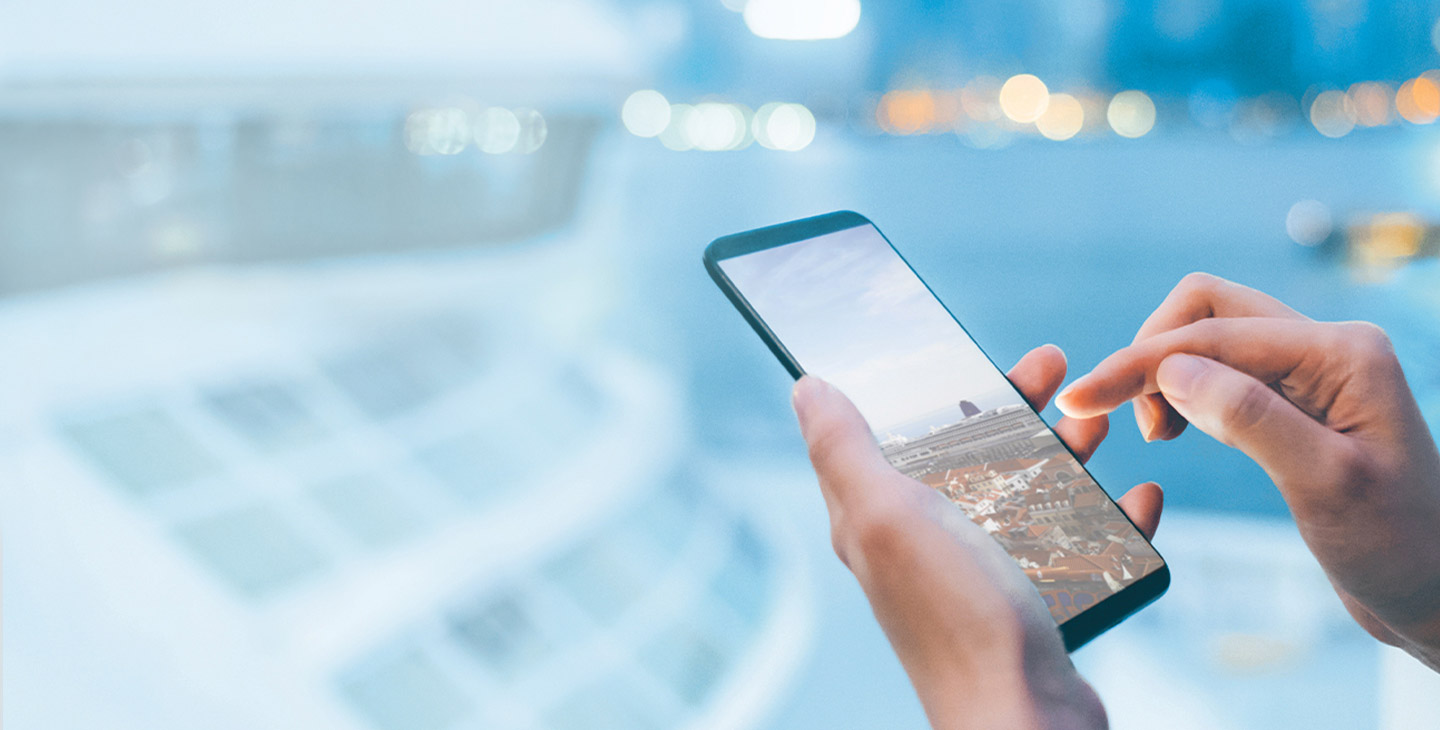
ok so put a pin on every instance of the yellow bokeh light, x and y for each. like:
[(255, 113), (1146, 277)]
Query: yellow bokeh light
[(1371, 102), (1131, 114), (1418, 100), (1386, 238), (1063, 118), (906, 112), (1023, 98), (1332, 113)]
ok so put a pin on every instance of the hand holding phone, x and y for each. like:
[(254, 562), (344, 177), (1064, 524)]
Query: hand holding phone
[(964, 621)]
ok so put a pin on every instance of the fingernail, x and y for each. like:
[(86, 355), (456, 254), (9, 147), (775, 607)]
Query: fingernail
[(1177, 374), (1066, 393), (1145, 418)]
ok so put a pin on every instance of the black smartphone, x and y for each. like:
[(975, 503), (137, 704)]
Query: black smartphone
[(831, 296)]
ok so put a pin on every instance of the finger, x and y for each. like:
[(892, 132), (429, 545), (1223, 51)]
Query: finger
[(1198, 296), (1083, 435), (1039, 374), (1143, 504), (1155, 418), (842, 448), (1266, 349), (1241, 411), (1203, 296)]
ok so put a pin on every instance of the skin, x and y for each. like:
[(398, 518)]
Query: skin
[(971, 631), (1322, 407)]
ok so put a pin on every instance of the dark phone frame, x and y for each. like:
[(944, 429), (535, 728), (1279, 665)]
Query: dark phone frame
[(1077, 630)]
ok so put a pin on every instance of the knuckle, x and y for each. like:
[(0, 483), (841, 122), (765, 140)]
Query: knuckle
[(1367, 340), (1348, 481), (1249, 409), (872, 532), (1198, 282)]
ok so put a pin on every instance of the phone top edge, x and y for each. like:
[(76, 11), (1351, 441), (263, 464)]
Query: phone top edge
[(717, 275), (759, 239)]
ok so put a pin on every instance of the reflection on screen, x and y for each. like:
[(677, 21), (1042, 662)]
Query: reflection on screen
[(851, 311)]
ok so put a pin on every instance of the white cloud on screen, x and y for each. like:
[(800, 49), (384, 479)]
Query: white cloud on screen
[(850, 310)]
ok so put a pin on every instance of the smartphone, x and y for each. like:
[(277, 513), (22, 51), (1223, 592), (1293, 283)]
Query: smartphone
[(831, 296)]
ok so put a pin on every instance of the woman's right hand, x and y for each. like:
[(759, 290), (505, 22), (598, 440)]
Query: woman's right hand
[(1324, 408)]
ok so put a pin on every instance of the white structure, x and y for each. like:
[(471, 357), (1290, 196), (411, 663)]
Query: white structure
[(360, 497)]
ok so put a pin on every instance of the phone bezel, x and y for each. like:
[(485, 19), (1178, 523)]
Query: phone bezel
[(1077, 630)]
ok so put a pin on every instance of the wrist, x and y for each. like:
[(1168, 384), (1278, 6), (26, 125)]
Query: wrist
[(1032, 687)]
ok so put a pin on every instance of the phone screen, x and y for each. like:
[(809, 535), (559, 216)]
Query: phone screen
[(850, 310)]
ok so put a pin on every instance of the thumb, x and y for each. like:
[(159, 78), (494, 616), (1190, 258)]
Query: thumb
[(1240, 411), (842, 448)]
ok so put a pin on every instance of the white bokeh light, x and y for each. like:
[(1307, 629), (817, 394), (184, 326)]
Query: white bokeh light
[(497, 130), (646, 113), (802, 20), (1309, 222), (788, 127)]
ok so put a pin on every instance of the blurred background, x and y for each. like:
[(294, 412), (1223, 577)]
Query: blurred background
[(360, 371)]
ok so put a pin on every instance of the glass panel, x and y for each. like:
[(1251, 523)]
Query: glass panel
[(371, 511), (407, 692), (269, 416), (144, 451), (391, 378), (254, 549), (381, 381), (500, 631)]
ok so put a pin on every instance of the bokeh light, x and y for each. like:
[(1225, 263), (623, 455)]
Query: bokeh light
[(906, 112), (780, 126), (1371, 103), (980, 98), (1131, 114), (1023, 98), (442, 131), (646, 113), (1332, 113), (801, 20), (1418, 100), (1309, 222), (716, 126), (676, 135), (497, 130), (1063, 118), (533, 130)]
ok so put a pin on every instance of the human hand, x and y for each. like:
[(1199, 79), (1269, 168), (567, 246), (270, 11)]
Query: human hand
[(1324, 408), (970, 629)]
